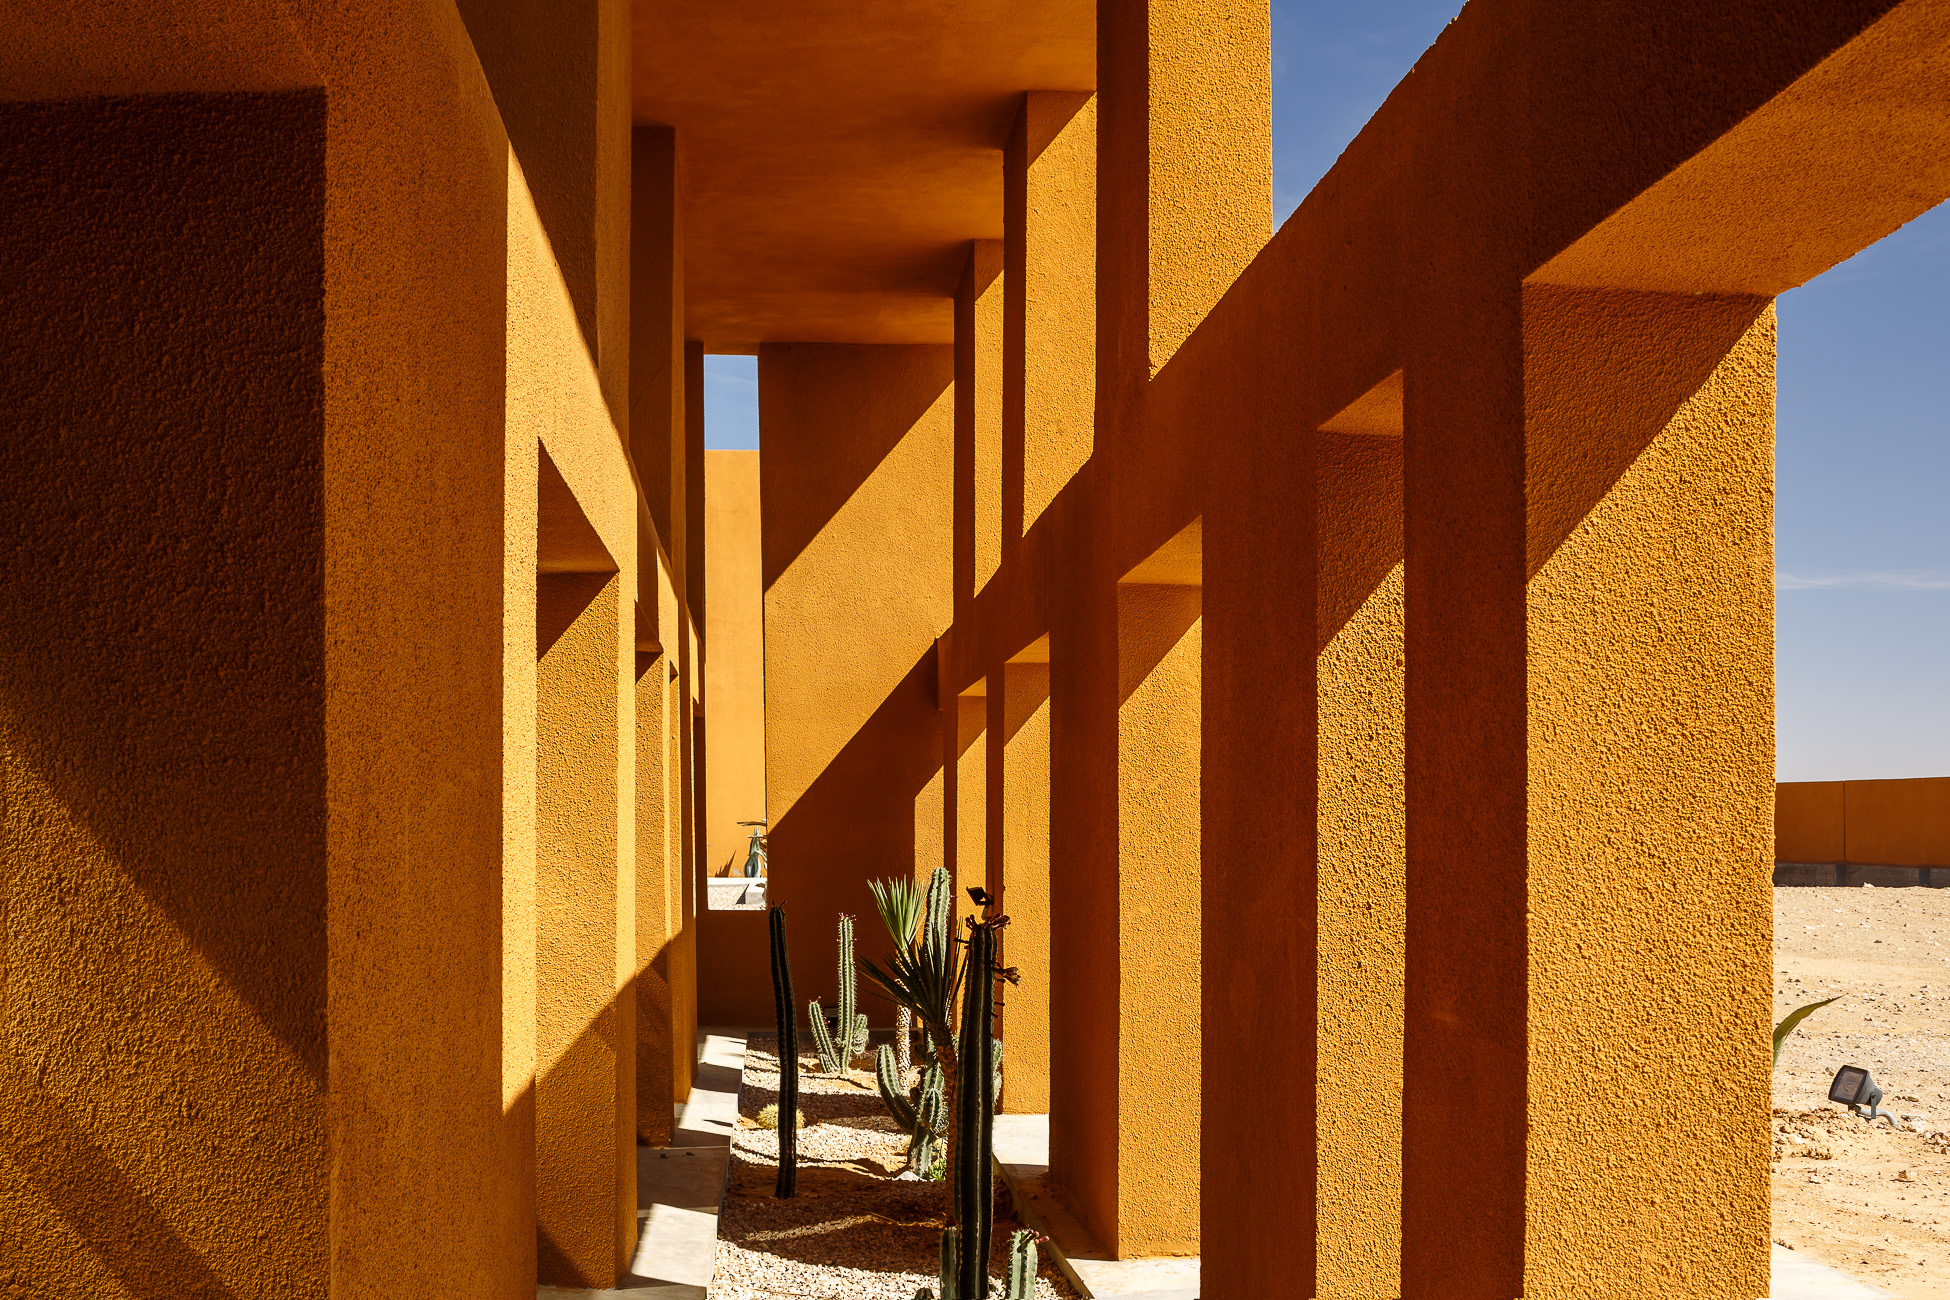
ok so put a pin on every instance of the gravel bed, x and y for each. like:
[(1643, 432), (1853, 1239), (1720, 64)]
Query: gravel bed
[(854, 1231)]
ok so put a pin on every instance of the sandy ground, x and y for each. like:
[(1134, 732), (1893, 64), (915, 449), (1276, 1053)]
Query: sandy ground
[(1873, 1201), (854, 1231)]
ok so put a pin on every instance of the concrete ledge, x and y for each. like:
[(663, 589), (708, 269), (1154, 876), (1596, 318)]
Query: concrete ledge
[(1022, 1157), (680, 1188)]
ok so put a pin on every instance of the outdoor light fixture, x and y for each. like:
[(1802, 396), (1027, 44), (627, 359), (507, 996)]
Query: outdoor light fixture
[(1855, 1089)]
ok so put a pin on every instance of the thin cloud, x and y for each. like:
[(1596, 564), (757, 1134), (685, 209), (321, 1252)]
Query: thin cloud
[(1925, 580)]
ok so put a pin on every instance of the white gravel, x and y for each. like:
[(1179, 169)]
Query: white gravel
[(853, 1232)]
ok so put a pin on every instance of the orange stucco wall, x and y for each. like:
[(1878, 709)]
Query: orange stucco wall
[(856, 497), (1328, 640), (732, 950), (1901, 823)]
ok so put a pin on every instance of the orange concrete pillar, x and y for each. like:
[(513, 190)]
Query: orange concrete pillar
[(857, 500), (585, 1090), (1018, 869), (659, 438), (1359, 836), (1588, 474), (1049, 203), (977, 553), (1158, 910), (1048, 376), (658, 889), (166, 745), (690, 669), (1183, 204)]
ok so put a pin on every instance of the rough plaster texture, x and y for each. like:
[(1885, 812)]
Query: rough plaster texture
[(1361, 896), (857, 501), (732, 945), (1159, 933), (1018, 873), (1650, 674), (164, 879), (586, 958)]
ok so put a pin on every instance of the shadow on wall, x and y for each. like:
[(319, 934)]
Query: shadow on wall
[(163, 868)]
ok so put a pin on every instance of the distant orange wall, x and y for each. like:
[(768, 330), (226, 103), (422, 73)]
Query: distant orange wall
[(1882, 823), (1808, 821)]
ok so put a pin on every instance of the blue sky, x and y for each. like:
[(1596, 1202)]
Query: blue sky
[(1863, 426)]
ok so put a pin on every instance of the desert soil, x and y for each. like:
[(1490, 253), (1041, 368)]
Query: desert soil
[(855, 1231), (1871, 1200)]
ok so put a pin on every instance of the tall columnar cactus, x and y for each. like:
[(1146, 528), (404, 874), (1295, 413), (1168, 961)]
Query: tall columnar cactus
[(1022, 1265), (784, 1007), (929, 1143), (973, 1153), (837, 1049)]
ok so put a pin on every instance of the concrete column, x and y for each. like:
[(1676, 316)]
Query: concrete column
[(166, 743), (1158, 927), (585, 1092), (1587, 475), (857, 499), (1183, 204), (658, 889), (977, 553), (1360, 892), (1048, 359), (1049, 253), (659, 438), (1018, 869)]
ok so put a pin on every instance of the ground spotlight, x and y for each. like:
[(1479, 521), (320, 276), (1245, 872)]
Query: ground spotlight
[(1855, 1089)]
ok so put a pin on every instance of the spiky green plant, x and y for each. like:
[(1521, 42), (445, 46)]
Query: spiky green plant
[(1794, 1018), (784, 1008), (928, 1144), (1022, 1265), (849, 1037), (892, 1096), (900, 904)]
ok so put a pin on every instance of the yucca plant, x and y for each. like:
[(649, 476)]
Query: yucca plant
[(900, 904)]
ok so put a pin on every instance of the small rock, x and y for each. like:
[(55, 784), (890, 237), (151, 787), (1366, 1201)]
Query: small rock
[(1902, 1177)]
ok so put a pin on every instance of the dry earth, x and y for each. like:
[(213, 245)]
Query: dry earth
[(1873, 1201), (854, 1231)]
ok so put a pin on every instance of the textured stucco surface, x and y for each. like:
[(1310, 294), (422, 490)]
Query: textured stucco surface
[(733, 987), (164, 880), (857, 501)]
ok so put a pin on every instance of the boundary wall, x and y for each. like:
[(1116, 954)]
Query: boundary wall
[(1893, 832)]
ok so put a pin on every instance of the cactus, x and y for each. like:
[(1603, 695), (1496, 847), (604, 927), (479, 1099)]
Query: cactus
[(974, 1146), (1022, 1265), (903, 1041), (924, 1149), (995, 1074), (892, 1095), (838, 1048), (782, 1006)]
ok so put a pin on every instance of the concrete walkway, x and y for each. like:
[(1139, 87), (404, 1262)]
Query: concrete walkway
[(679, 1187), (1796, 1277)]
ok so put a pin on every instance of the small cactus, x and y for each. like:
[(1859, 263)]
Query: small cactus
[(1022, 1265), (928, 1146), (848, 1037), (892, 1095)]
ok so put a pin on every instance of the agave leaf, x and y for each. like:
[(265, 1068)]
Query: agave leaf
[(899, 904), (1795, 1017)]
